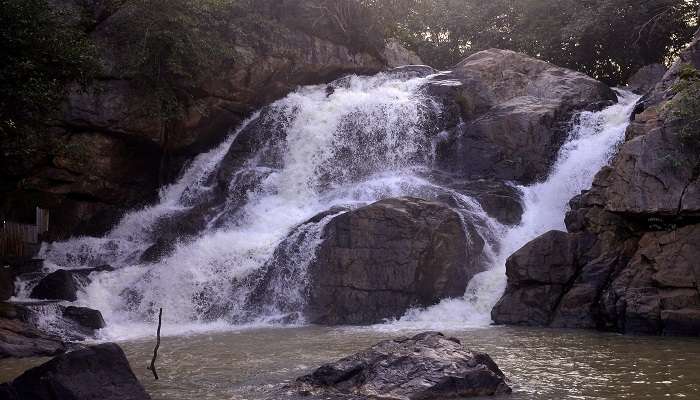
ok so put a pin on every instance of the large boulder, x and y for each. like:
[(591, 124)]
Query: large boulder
[(97, 372), (427, 366), (515, 109), (378, 261), (630, 257)]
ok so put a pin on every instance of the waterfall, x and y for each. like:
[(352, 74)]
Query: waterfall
[(338, 146), (591, 143)]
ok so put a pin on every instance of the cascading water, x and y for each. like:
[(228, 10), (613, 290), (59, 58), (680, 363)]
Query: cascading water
[(357, 141), (591, 143)]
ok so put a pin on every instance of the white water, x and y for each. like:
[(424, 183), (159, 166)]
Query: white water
[(366, 141)]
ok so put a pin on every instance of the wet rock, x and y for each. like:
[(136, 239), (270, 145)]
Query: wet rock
[(426, 366), (378, 261), (58, 285), (11, 268), (96, 372), (515, 110), (19, 338), (85, 317), (537, 276)]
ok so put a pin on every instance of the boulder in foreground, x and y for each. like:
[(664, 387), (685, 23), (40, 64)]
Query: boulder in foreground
[(426, 366), (99, 372)]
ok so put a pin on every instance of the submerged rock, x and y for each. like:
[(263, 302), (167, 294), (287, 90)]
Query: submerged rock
[(97, 372), (426, 366), (378, 261)]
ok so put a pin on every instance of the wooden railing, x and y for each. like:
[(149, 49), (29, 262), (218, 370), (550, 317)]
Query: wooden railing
[(22, 240)]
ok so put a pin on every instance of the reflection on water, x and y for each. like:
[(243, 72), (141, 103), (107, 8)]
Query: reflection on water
[(541, 364)]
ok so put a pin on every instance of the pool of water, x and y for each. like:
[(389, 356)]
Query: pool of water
[(540, 363)]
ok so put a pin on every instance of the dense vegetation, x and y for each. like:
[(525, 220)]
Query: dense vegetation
[(608, 39)]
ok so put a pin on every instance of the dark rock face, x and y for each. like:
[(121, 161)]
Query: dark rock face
[(646, 78), (426, 366), (630, 259), (96, 372), (380, 260), (18, 338), (59, 285), (515, 110), (11, 268), (123, 156), (85, 317)]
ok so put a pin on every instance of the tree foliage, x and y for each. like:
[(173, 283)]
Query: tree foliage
[(43, 51), (608, 39)]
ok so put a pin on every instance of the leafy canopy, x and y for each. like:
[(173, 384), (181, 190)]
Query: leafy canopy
[(608, 39)]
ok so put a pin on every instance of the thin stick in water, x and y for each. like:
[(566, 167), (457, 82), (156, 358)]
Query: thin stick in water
[(155, 350)]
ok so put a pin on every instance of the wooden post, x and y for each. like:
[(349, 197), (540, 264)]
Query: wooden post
[(155, 350)]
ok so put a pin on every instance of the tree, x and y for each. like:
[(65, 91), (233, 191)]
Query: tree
[(608, 39)]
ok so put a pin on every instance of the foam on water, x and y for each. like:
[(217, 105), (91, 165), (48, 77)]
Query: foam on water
[(370, 138)]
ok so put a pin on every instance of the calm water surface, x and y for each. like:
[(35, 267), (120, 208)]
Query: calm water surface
[(541, 364)]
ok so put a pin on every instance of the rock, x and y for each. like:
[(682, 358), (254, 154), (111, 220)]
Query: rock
[(537, 276), (397, 55), (378, 261), (633, 238), (426, 366), (515, 110), (118, 155), (18, 338), (95, 372), (646, 78), (85, 317), (58, 285)]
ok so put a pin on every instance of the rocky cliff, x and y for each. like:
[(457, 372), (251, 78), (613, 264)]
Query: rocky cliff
[(113, 155), (629, 262)]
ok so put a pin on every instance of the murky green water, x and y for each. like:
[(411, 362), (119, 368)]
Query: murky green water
[(541, 364)]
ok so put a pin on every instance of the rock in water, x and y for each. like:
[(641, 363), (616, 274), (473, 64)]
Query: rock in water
[(85, 317), (426, 366), (19, 339), (59, 285), (97, 372), (378, 261)]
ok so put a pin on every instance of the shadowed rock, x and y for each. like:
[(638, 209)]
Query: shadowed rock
[(97, 372)]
